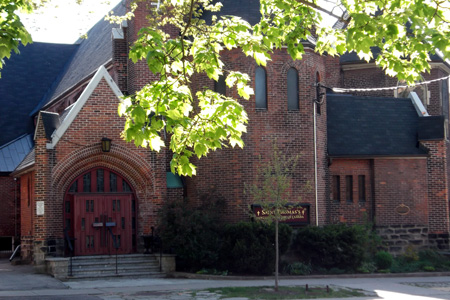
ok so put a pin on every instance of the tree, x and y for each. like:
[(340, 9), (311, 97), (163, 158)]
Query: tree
[(271, 190), (12, 31), (405, 31)]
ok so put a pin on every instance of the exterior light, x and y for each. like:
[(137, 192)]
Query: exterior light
[(106, 144)]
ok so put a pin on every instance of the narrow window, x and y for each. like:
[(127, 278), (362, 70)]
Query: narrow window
[(336, 188), (220, 85), (362, 188), (68, 207), (74, 187), (113, 182), (100, 181), (260, 88), (349, 188), (87, 182), (125, 186), (292, 89)]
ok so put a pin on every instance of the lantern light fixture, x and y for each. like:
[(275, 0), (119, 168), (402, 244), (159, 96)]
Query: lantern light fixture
[(106, 144)]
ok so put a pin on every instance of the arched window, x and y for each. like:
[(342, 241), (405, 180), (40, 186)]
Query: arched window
[(292, 89), (260, 88), (220, 85)]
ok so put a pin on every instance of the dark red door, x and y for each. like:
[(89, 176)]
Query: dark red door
[(101, 219)]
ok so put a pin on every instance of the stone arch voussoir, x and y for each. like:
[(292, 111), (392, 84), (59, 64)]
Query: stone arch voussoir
[(120, 159)]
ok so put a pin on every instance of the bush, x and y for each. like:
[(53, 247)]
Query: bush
[(193, 234), (297, 268), (333, 246), (383, 260), (249, 247)]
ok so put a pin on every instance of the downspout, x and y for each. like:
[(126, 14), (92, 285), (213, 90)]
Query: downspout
[(315, 163), (15, 208)]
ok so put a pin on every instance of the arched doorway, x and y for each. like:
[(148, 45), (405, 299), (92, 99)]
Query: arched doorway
[(100, 207)]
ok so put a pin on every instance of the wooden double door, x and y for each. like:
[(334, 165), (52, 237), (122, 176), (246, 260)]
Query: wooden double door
[(102, 222)]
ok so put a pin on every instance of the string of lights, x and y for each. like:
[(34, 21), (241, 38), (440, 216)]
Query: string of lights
[(345, 90)]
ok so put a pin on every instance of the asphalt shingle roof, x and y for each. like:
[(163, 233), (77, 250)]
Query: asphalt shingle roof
[(92, 53), (11, 154), (369, 126), (26, 78)]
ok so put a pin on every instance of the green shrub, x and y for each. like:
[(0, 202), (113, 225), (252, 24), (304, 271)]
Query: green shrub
[(429, 268), (367, 267), (193, 234), (333, 246), (249, 247), (411, 254), (383, 260), (298, 268)]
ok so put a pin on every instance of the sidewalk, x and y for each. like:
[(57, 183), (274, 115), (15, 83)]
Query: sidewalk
[(21, 283)]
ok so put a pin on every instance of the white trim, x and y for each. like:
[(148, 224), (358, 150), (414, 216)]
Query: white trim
[(37, 124), (101, 73), (420, 109)]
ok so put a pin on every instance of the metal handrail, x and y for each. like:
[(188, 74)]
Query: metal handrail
[(69, 244), (115, 245), (14, 253)]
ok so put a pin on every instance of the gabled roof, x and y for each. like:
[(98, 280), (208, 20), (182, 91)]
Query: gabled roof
[(27, 162), (373, 127), (26, 78), (93, 52), (101, 73), (12, 153)]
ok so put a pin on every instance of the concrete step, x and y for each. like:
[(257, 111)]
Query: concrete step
[(112, 275), (104, 266), (107, 268)]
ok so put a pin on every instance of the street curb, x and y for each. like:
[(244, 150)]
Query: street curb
[(302, 277)]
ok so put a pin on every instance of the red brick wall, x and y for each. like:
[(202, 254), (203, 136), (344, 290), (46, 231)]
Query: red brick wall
[(355, 212), (79, 150), (401, 181), (438, 186), (374, 77), (389, 183), (8, 190), (226, 171)]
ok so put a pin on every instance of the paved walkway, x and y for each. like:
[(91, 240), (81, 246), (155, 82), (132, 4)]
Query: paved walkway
[(19, 282)]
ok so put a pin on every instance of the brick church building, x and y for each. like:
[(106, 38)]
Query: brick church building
[(369, 156)]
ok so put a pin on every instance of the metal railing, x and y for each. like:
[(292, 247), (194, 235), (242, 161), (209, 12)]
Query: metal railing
[(116, 246), (14, 253), (70, 246)]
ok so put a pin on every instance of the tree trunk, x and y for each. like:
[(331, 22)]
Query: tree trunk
[(277, 255)]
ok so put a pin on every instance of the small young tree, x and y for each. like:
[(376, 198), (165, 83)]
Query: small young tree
[(271, 190)]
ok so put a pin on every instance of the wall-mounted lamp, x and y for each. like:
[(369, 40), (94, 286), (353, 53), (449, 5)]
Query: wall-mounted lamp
[(106, 144)]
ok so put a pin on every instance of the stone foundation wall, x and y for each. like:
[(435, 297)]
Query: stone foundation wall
[(398, 238), (52, 247), (439, 241)]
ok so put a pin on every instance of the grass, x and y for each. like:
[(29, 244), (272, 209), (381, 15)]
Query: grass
[(285, 292)]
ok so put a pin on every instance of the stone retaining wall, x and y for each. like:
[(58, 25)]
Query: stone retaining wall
[(398, 238)]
